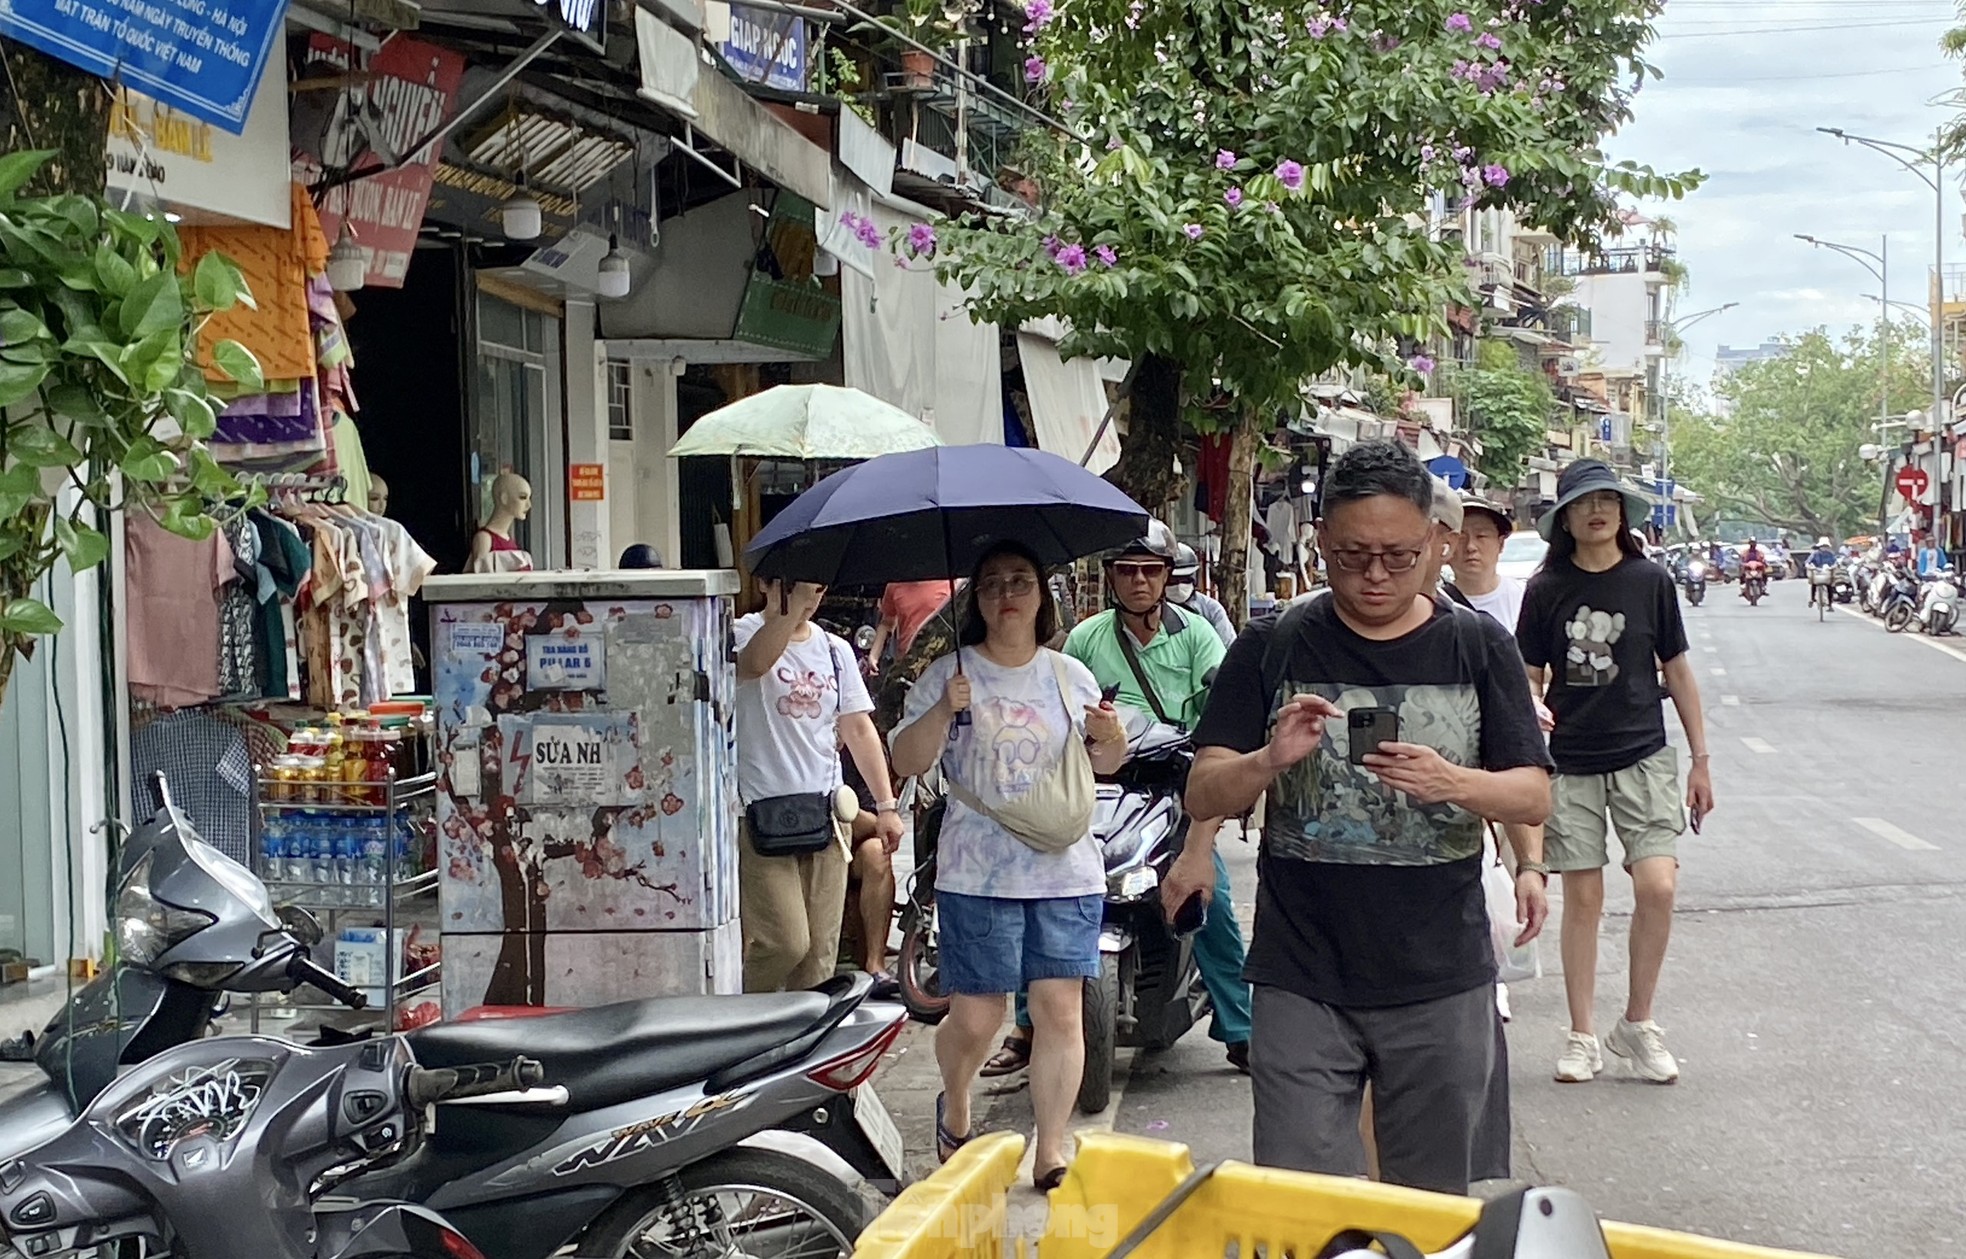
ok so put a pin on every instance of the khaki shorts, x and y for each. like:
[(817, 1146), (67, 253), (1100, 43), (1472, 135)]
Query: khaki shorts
[(1643, 802)]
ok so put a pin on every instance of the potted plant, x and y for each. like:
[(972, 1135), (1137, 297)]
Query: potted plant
[(936, 25)]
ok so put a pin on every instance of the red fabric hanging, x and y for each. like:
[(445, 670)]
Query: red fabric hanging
[(1212, 475)]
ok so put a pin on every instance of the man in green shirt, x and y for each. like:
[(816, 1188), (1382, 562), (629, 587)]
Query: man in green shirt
[(1177, 653)]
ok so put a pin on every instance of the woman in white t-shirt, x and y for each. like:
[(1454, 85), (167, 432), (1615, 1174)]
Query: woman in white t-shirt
[(1012, 912), (800, 696)]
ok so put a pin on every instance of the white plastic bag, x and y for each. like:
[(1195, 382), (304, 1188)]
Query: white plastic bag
[(1514, 964)]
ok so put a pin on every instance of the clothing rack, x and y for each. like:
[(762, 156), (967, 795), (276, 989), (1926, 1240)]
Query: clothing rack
[(329, 489)]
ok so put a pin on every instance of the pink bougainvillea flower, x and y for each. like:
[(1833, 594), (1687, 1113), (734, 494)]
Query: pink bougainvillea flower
[(1194, 231), (1036, 14), (1072, 259), (1234, 197), (1427, 153), (1489, 40), (1495, 175), (921, 240), (1459, 23), (1319, 27), (1106, 255), (1052, 245), (1420, 363), (1225, 160), (1290, 174), (1034, 69)]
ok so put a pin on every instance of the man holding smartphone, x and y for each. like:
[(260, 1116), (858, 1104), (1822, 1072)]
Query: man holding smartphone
[(1371, 958)]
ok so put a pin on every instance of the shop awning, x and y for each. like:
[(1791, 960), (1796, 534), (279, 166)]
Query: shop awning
[(1068, 401), (908, 340), (723, 112)]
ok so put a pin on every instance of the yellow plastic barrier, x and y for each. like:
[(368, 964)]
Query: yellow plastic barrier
[(1241, 1212)]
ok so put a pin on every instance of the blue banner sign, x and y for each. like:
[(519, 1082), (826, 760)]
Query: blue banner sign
[(201, 57), (767, 48)]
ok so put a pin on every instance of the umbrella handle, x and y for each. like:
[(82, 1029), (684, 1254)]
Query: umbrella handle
[(962, 718)]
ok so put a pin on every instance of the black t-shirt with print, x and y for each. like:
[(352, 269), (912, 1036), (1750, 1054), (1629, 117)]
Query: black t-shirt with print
[(1600, 637), (1367, 898)]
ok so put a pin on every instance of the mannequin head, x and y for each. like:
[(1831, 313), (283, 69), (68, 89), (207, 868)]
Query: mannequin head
[(378, 495), (511, 497)]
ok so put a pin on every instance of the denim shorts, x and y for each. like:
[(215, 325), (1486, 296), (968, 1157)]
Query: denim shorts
[(991, 944)]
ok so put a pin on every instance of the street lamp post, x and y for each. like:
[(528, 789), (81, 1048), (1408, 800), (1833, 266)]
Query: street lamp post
[(1863, 258), (1916, 164), (1665, 395)]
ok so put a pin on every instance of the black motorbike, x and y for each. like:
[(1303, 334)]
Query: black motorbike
[(1149, 991), (1693, 579)]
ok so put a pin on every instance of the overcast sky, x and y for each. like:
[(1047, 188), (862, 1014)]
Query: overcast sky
[(1747, 82)]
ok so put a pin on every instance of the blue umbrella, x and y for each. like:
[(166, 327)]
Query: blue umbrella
[(926, 514)]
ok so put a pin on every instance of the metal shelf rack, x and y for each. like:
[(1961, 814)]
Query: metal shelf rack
[(413, 795)]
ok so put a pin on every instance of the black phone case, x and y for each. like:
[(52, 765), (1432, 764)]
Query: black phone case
[(1189, 918), (1379, 725)]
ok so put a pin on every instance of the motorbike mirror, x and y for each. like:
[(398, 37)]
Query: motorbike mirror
[(300, 924)]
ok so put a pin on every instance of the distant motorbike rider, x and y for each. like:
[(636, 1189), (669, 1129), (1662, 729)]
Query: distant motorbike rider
[(1750, 557), (1182, 593)]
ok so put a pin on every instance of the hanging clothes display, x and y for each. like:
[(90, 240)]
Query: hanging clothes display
[(174, 590), (209, 768)]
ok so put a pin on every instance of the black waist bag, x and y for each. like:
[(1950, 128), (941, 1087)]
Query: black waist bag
[(791, 826)]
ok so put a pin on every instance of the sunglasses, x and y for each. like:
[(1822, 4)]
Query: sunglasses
[(1130, 571)]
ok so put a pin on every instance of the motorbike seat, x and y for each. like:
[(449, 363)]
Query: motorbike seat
[(614, 1053)]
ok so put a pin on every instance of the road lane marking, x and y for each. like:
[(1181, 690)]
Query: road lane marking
[(1933, 643), (1711, 650), (1731, 701), (1717, 671), (1758, 745), (1896, 834)]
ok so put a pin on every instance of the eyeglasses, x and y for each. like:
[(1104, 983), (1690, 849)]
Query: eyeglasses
[(1126, 571), (1400, 560), (1013, 587)]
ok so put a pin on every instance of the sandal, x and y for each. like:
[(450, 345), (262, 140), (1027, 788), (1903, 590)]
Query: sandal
[(946, 1142), (1045, 1182), (1012, 1058)]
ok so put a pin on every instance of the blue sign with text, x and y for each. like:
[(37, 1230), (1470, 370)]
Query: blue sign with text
[(766, 47), (201, 57)]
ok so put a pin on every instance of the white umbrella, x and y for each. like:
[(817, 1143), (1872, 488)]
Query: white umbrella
[(807, 422)]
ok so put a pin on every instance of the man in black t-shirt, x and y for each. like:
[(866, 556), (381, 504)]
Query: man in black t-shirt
[(1371, 956)]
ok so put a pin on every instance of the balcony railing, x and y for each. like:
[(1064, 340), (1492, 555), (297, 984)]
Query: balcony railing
[(1656, 331), (1631, 260)]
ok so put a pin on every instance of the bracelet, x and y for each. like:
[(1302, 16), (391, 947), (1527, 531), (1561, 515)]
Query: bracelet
[(887, 806), (1533, 867), (1701, 756)]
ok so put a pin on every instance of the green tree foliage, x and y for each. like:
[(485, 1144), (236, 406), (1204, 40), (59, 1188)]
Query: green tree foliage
[(1250, 189), (101, 407), (1787, 454), (1508, 409)]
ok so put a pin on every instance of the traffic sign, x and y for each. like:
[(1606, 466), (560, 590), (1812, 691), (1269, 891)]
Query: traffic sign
[(1912, 483)]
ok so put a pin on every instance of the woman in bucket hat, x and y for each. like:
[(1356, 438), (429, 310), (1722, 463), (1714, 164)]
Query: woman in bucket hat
[(1599, 628)]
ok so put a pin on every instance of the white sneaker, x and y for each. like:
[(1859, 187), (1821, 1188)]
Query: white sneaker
[(1581, 1060), (1643, 1045)]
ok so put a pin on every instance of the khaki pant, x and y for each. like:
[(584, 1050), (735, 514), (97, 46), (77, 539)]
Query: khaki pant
[(790, 909)]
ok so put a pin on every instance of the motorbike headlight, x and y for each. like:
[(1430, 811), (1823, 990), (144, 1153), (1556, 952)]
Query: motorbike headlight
[(1127, 885), (147, 928)]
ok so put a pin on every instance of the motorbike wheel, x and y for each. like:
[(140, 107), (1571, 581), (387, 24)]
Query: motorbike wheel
[(1694, 597), (1897, 618), (1101, 1015), (1754, 596), (763, 1204), (919, 964)]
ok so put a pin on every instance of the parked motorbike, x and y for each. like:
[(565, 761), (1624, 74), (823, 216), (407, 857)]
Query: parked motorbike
[(668, 1100), (1695, 581), (1149, 991), (918, 965), (1754, 581), (1843, 583), (230, 1148), (1938, 605), (1898, 606)]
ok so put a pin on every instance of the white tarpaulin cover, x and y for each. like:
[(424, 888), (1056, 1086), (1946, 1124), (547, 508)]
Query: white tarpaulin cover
[(1067, 402), (908, 340)]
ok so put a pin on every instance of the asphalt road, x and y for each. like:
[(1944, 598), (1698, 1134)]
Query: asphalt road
[(1813, 988)]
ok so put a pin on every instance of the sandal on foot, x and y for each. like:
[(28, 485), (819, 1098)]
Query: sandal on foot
[(1045, 1182), (946, 1142), (1012, 1058)]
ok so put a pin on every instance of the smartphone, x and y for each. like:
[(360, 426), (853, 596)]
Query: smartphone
[(1110, 694), (1698, 817), (1370, 727), (1189, 918)]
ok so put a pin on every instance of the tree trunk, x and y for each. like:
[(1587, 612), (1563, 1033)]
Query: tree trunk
[(1149, 463), (50, 104), (1232, 573)]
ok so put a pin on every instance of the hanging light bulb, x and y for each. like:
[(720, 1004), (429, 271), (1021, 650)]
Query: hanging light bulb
[(348, 266), (615, 280), (520, 213)]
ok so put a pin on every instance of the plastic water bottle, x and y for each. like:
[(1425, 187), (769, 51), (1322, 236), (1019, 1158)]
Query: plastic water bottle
[(347, 859), (372, 869), (320, 846), (273, 848)]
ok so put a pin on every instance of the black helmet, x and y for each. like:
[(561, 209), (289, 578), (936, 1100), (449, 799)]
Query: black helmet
[(1158, 543)]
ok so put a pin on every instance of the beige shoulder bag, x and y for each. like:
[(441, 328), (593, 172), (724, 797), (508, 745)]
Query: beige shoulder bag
[(1057, 811)]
